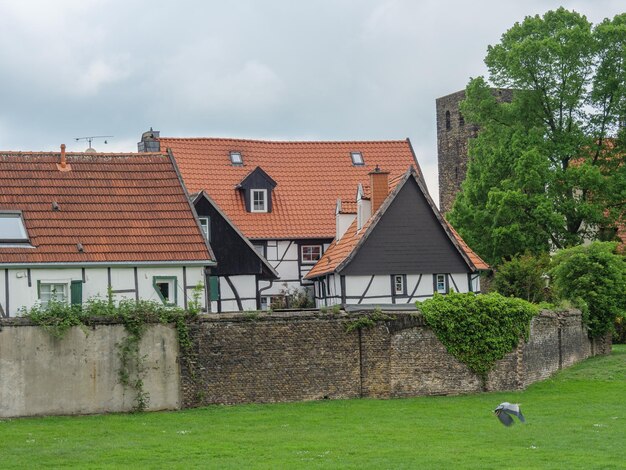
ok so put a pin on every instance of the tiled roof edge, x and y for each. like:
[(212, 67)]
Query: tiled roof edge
[(191, 206)]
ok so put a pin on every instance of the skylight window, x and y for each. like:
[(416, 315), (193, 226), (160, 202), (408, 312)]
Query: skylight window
[(12, 227), (357, 158), (236, 158)]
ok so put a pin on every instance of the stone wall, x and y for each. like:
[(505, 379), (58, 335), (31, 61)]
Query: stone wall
[(308, 357), (241, 358)]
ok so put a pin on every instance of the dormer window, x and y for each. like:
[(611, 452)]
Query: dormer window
[(259, 200), (236, 159), (257, 188), (357, 158), (12, 228)]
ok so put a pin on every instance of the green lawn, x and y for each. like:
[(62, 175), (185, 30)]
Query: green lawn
[(575, 420)]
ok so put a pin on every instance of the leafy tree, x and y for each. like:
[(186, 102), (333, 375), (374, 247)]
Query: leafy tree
[(523, 277), (546, 169), (594, 278)]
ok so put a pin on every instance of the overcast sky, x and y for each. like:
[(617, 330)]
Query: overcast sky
[(267, 69)]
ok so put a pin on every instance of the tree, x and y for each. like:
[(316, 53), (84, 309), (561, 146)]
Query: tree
[(546, 170), (523, 277), (594, 278)]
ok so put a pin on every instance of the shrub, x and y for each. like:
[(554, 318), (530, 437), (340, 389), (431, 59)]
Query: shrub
[(478, 329), (593, 277), (523, 277)]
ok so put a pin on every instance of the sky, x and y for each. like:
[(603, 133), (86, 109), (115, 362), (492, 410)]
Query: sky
[(259, 69)]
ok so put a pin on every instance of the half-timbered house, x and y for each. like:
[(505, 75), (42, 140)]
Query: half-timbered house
[(83, 225), (393, 247)]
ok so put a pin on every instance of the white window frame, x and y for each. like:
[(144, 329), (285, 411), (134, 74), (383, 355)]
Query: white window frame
[(443, 290), (17, 217), (252, 194), (402, 285), (310, 261), (357, 158), (54, 295), (172, 282), (205, 224)]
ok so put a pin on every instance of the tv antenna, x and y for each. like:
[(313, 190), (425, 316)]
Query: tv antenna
[(90, 139)]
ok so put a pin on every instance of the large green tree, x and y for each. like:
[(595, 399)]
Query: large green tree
[(546, 169)]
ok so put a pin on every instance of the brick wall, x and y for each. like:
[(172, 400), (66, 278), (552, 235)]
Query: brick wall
[(309, 357)]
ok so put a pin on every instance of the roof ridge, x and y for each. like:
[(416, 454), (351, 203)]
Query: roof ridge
[(271, 141)]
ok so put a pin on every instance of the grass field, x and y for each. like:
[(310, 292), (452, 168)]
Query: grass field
[(575, 420)]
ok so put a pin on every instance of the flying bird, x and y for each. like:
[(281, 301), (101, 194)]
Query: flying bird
[(505, 412)]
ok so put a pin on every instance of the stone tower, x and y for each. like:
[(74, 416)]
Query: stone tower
[(453, 135)]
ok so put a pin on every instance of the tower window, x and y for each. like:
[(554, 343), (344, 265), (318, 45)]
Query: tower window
[(447, 120), (461, 120)]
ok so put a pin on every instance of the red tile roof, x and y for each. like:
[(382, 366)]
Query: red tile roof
[(339, 251), (120, 207), (310, 176)]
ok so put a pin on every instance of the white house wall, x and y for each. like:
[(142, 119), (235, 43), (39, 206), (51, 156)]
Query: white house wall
[(283, 256), (245, 286), (23, 294), (378, 289)]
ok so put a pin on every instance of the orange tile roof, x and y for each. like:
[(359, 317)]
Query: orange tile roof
[(120, 207), (339, 251), (310, 177)]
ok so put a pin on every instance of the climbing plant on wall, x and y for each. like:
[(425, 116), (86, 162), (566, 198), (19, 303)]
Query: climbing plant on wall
[(478, 329)]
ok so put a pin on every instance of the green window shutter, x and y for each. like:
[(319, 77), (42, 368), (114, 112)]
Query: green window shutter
[(214, 284), (76, 292)]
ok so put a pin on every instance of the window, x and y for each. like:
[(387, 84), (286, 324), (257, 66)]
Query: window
[(205, 224), (259, 200), (165, 287), (357, 158), (12, 227), (259, 248), (52, 291), (441, 283), (399, 284), (236, 158), (311, 253), (461, 120), (447, 120)]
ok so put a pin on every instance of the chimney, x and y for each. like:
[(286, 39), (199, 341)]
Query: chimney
[(63, 165), (149, 142), (379, 187)]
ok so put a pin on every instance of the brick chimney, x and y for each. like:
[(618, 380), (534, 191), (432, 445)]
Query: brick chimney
[(379, 187)]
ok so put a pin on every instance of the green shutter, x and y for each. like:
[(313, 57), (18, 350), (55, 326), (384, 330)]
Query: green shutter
[(214, 285), (76, 292)]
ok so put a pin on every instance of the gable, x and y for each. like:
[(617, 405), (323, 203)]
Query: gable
[(407, 239), (233, 255)]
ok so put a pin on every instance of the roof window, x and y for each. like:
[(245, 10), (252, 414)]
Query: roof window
[(12, 227), (357, 158), (236, 158)]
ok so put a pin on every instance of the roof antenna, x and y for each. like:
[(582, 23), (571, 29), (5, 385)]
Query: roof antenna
[(90, 139)]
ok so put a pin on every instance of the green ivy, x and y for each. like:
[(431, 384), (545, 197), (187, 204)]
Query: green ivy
[(478, 329), (368, 320)]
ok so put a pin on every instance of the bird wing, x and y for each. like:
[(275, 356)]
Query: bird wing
[(514, 409), (504, 418)]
